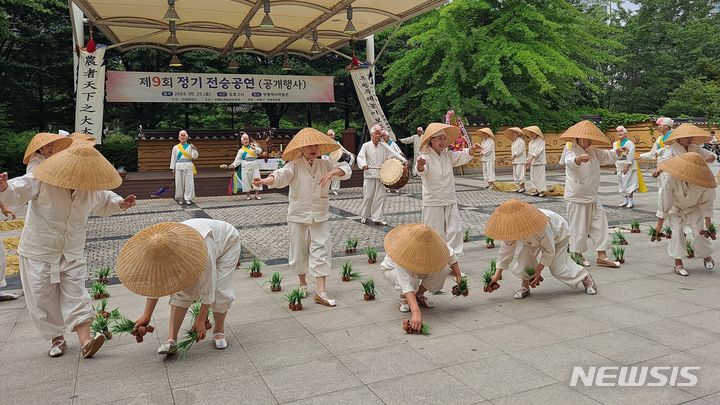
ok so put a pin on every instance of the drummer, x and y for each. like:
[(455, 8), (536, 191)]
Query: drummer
[(395, 147), (435, 167), (370, 158)]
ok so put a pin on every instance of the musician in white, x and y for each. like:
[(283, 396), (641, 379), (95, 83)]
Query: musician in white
[(370, 158), (435, 167), (415, 141), (395, 148), (487, 154), (247, 160)]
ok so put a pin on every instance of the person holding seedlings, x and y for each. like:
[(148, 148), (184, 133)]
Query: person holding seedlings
[(246, 160), (152, 263), (42, 146), (415, 260), (536, 160), (309, 180), (686, 201), (582, 181), (518, 156), (625, 167), (414, 139), (64, 189), (182, 166), (540, 239), (370, 158), (487, 154), (435, 167)]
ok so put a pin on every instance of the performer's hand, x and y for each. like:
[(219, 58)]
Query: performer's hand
[(327, 178), (8, 212), (199, 327), (421, 162), (658, 228), (582, 158), (128, 202), (497, 276), (535, 279), (144, 320), (267, 181), (656, 173), (3, 181), (416, 321), (365, 167), (475, 148)]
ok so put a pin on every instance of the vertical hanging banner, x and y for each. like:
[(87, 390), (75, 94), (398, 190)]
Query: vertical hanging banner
[(90, 94), (368, 100)]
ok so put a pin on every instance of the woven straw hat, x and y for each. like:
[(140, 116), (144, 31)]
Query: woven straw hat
[(533, 129), (80, 167), (689, 167), (485, 131), (162, 259), (43, 138), (515, 220), (698, 135), (79, 136), (308, 137), (585, 130), (511, 131), (417, 248), (434, 129)]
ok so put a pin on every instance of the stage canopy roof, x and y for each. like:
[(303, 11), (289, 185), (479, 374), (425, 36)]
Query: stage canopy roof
[(223, 25)]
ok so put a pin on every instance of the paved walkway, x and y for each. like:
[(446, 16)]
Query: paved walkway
[(484, 348)]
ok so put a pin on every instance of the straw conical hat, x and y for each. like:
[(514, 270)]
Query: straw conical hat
[(485, 131), (689, 167), (434, 129), (686, 130), (308, 137), (162, 259), (80, 167), (515, 220), (417, 248), (533, 129), (83, 137), (585, 130), (44, 138), (511, 131)]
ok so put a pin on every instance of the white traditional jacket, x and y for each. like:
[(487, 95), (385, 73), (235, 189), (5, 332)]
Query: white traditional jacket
[(437, 176), (406, 279), (554, 232), (35, 159), (680, 197), (536, 150), (676, 149), (182, 163), (308, 201), (519, 155), (373, 157), (583, 181), (239, 156), (415, 141), (56, 222), (488, 150)]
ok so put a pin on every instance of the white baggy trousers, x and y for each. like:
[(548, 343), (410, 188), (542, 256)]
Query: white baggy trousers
[(310, 248), (587, 220), (373, 199), (563, 268), (184, 185), (446, 222)]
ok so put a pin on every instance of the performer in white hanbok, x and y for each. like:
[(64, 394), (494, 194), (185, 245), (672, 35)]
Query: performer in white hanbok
[(625, 169), (182, 166), (42, 146), (582, 181), (370, 158), (192, 260), (686, 201), (415, 260), (395, 148), (487, 154), (415, 141), (518, 156), (65, 188), (435, 166), (309, 180), (247, 161), (536, 160), (664, 127), (540, 239), (687, 138)]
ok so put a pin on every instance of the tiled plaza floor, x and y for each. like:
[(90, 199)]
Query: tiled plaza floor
[(484, 348)]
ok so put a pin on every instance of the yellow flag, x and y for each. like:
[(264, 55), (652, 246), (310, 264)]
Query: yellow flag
[(642, 188)]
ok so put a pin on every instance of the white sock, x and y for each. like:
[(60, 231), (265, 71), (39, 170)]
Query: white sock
[(630, 201)]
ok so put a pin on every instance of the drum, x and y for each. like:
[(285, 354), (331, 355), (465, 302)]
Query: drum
[(394, 174)]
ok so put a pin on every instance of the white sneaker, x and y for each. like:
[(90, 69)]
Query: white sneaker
[(220, 343), (521, 293), (709, 264), (592, 289), (303, 291), (680, 270), (404, 307), (58, 348), (364, 220), (335, 192), (168, 347)]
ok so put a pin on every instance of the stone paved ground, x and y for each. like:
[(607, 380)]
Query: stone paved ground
[(482, 349)]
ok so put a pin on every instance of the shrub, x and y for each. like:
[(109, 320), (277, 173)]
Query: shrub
[(12, 149), (121, 151)]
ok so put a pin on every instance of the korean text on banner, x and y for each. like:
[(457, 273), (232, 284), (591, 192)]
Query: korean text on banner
[(368, 100), (90, 94), (160, 87)]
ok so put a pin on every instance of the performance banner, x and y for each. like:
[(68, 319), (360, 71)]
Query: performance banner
[(368, 100), (160, 87), (90, 94)]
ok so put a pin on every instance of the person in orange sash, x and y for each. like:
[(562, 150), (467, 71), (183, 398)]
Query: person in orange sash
[(182, 166)]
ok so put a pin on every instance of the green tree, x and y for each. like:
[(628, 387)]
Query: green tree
[(511, 61), (695, 97)]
